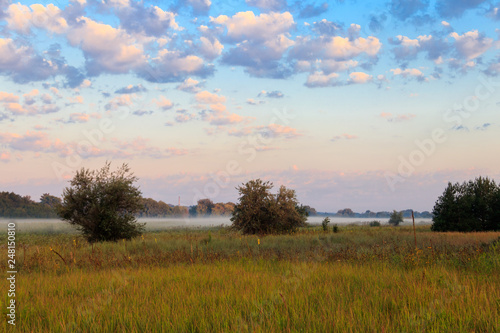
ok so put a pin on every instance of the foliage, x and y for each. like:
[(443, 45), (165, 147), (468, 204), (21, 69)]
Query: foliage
[(396, 218), (261, 212), (375, 224), (15, 206), (335, 229), (50, 200), (310, 210), (324, 223), (102, 204), (470, 206), (153, 208), (346, 212), (204, 207)]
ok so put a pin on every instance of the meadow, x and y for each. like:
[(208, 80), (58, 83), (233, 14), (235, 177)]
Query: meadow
[(361, 279)]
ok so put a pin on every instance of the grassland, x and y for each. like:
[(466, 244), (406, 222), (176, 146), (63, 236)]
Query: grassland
[(361, 279)]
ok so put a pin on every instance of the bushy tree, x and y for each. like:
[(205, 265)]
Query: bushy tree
[(261, 212), (204, 207), (102, 204), (396, 218), (470, 206)]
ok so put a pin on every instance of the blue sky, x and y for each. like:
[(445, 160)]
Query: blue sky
[(367, 105)]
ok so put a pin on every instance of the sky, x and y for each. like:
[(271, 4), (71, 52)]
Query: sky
[(364, 105)]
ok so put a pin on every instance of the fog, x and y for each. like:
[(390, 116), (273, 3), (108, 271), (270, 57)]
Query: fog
[(52, 226)]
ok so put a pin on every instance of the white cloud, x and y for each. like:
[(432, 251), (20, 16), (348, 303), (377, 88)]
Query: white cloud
[(318, 79), (189, 85), (246, 26), (21, 18), (471, 44), (207, 97), (163, 103), (360, 77), (107, 49), (397, 118), (408, 72), (210, 48)]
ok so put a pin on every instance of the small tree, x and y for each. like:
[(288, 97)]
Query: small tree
[(396, 218), (324, 223), (102, 204), (260, 212)]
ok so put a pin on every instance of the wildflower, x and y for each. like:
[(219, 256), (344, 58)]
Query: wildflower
[(258, 241), (155, 241)]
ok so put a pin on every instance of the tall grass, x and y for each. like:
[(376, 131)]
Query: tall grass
[(214, 280)]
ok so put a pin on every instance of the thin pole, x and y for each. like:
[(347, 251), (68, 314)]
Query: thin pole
[(414, 232)]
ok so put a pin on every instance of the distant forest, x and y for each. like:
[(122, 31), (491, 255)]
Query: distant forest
[(13, 205), (347, 212)]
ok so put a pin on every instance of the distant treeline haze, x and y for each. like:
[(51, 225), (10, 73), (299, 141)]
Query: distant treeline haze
[(13, 205)]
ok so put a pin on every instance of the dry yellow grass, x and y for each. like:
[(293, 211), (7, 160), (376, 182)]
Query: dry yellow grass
[(361, 279)]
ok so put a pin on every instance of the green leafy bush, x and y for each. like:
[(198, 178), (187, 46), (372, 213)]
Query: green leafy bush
[(102, 204), (325, 223), (261, 212), (396, 218)]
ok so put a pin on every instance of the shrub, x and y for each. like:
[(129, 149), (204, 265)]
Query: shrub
[(374, 224), (102, 204), (470, 206), (396, 218), (261, 212), (335, 228), (324, 223)]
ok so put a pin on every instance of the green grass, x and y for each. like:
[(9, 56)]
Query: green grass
[(362, 279)]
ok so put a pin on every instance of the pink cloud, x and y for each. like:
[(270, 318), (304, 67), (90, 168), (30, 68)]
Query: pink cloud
[(119, 101), (163, 103), (110, 49), (31, 141), (245, 25), (206, 97), (141, 146), (5, 156), (402, 117), (83, 117), (360, 77), (344, 136), (8, 97)]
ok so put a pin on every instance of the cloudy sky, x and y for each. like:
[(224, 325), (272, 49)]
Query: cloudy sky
[(367, 105)]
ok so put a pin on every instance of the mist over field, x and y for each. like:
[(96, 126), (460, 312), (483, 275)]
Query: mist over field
[(158, 224)]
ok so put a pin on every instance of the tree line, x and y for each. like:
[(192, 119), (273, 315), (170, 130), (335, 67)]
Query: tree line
[(470, 206), (347, 212), (13, 205)]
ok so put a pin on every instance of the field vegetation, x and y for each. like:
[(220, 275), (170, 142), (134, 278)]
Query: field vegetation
[(217, 280)]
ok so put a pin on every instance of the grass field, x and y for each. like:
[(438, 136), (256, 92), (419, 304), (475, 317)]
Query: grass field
[(362, 279)]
